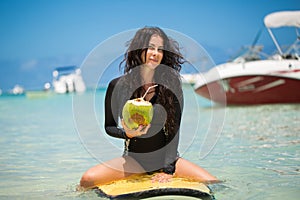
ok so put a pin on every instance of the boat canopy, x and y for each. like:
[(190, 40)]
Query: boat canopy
[(65, 68), (283, 18)]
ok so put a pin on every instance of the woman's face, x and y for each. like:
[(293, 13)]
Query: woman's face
[(154, 53)]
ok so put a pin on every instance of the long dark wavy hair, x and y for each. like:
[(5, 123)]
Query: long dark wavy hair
[(166, 74)]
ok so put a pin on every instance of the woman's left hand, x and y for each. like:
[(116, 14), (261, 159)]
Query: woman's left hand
[(161, 177), (141, 130)]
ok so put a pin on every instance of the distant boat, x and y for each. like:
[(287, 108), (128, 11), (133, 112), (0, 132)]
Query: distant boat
[(249, 79), (190, 79), (17, 90), (38, 94), (68, 79)]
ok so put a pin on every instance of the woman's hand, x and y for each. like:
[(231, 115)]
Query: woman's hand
[(161, 177), (141, 130)]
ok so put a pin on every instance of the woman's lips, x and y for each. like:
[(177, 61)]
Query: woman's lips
[(154, 60)]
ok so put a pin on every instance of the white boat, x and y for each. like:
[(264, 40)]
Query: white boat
[(68, 79), (17, 90), (190, 79), (252, 79)]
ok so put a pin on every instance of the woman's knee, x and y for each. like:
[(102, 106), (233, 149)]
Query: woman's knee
[(87, 180)]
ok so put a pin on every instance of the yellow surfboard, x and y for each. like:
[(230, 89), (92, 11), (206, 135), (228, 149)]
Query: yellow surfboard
[(142, 186)]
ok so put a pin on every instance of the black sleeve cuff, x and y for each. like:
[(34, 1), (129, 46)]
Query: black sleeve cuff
[(124, 134)]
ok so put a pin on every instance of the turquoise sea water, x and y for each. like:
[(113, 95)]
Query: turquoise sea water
[(48, 142)]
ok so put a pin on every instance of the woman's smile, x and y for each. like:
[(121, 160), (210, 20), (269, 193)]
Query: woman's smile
[(153, 60)]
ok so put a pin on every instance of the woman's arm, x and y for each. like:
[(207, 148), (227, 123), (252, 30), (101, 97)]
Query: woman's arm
[(171, 155), (172, 147), (112, 104)]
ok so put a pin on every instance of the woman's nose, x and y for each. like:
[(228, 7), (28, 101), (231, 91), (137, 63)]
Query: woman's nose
[(154, 52)]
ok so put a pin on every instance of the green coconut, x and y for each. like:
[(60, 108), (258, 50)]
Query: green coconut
[(138, 112)]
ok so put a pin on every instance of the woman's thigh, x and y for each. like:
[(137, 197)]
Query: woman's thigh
[(111, 170), (185, 168)]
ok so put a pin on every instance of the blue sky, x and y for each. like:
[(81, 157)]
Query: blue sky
[(39, 35)]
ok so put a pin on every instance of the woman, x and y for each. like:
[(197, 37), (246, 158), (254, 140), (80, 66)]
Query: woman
[(152, 59)]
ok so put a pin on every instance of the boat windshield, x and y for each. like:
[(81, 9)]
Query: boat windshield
[(249, 53)]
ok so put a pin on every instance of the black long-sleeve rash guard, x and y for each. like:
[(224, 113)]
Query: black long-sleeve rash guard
[(157, 149)]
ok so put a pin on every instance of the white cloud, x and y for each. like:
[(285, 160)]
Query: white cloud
[(29, 65)]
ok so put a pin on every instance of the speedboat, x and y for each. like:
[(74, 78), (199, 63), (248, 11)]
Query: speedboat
[(253, 77), (68, 79)]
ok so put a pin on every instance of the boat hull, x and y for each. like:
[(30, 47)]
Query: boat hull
[(250, 90)]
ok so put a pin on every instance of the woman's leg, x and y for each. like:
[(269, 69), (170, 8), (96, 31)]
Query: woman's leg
[(185, 168), (115, 169)]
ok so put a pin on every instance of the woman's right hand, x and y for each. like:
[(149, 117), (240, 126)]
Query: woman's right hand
[(141, 130)]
